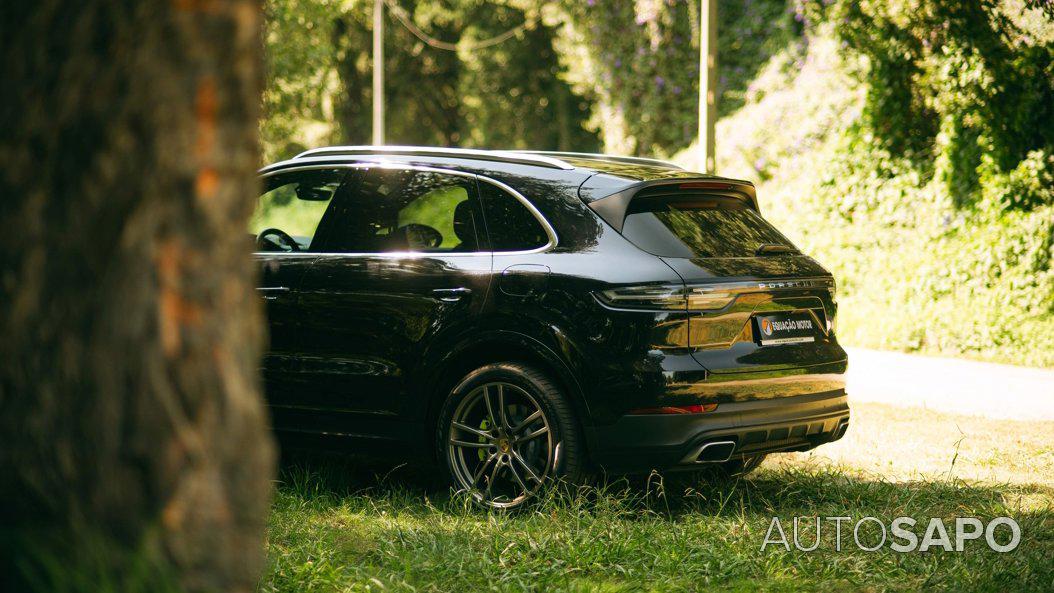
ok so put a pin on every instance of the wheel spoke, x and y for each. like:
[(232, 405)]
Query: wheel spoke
[(501, 407), (527, 421), (533, 435), (482, 468), (530, 472), (490, 410), (519, 480), (493, 477), (470, 445), (475, 431)]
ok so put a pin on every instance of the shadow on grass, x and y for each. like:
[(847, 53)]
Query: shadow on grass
[(807, 491), (339, 521)]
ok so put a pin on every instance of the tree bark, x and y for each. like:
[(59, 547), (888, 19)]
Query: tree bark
[(129, 334)]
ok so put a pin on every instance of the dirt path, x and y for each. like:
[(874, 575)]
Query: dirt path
[(951, 385)]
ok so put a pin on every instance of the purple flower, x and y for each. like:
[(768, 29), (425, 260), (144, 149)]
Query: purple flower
[(677, 90), (591, 2), (618, 62), (660, 81)]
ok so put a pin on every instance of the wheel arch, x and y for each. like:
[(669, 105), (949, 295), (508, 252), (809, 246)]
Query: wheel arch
[(493, 347)]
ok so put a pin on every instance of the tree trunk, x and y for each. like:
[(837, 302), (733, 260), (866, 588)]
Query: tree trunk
[(129, 397)]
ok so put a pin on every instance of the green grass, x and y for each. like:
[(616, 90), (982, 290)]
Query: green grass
[(341, 526)]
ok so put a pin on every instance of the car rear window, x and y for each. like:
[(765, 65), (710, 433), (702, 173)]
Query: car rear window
[(699, 227), (512, 226)]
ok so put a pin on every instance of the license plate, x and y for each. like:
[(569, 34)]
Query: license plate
[(788, 328)]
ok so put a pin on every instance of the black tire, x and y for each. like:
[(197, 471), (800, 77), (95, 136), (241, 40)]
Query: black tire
[(522, 391)]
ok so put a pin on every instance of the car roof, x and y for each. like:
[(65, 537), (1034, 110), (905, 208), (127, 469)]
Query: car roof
[(606, 174), (628, 167)]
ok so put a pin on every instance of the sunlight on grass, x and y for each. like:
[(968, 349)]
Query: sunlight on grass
[(337, 527)]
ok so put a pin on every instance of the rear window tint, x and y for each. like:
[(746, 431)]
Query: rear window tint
[(512, 226), (713, 227)]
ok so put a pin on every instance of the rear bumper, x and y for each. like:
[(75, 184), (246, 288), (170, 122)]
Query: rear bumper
[(795, 423)]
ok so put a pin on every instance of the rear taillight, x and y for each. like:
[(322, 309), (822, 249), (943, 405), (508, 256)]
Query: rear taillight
[(692, 409), (666, 297), (831, 317), (708, 298)]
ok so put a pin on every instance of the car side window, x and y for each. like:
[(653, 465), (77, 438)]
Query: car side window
[(511, 226), (291, 207), (396, 210)]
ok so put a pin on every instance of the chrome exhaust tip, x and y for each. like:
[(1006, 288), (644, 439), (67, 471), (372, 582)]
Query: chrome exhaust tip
[(841, 430), (716, 452)]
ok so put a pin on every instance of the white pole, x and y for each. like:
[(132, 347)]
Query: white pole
[(708, 84), (378, 72)]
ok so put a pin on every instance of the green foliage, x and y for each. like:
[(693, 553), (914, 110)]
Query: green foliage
[(958, 82), (301, 83), (937, 247), (581, 72), (422, 94), (639, 62), (514, 93), (1027, 186), (749, 33), (506, 96)]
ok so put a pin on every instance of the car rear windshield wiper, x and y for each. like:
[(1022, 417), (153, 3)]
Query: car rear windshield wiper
[(774, 249)]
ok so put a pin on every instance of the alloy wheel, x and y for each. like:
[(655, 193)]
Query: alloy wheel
[(500, 445)]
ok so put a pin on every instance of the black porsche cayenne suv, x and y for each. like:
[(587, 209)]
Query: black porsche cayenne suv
[(522, 317)]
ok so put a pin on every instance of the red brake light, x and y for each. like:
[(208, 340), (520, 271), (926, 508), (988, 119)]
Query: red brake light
[(705, 185), (692, 409)]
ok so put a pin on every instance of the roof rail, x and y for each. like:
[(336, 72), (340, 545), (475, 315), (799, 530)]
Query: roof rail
[(501, 156), (634, 160)]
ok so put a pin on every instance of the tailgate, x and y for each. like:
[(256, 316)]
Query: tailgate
[(756, 304), (779, 325)]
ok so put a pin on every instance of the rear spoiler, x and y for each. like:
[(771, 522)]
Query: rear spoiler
[(613, 208)]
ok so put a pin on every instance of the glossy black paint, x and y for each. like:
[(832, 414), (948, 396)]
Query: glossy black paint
[(365, 346)]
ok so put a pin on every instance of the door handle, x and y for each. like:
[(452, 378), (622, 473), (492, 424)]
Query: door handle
[(451, 295), (270, 293)]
